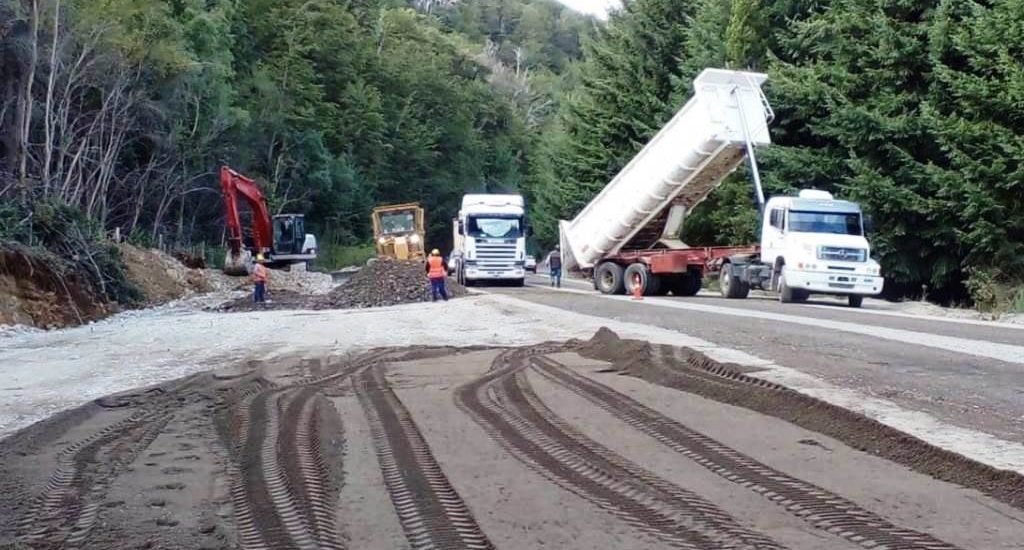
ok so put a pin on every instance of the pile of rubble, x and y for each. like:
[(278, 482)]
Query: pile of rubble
[(382, 283), (161, 277), (386, 283)]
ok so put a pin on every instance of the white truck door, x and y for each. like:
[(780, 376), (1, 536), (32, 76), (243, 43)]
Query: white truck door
[(773, 236)]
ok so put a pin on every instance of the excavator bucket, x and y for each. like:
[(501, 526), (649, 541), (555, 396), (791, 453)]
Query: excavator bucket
[(237, 264)]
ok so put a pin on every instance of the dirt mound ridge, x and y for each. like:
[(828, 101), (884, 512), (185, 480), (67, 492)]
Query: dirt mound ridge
[(382, 283), (386, 283)]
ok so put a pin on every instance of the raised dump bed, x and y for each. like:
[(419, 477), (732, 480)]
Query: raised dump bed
[(644, 206)]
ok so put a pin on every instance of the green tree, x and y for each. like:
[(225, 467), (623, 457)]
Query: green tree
[(627, 80)]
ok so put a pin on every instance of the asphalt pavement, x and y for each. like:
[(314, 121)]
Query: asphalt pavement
[(963, 372)]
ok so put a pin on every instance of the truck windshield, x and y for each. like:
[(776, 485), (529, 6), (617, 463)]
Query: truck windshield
[(842, 223), (397, 222), (495, 227)]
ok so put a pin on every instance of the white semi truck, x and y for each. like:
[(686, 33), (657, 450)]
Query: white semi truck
[(490, 240), (629, 234)]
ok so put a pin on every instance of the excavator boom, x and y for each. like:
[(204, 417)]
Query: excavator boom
[(235, 186)]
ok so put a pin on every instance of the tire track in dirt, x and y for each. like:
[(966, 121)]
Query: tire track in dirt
[(282, 490), (505, 406), (65, 512), (815, 505), (431, 512)]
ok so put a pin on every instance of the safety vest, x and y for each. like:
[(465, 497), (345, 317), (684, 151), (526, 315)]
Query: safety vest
[(436, 267), (259, 273)]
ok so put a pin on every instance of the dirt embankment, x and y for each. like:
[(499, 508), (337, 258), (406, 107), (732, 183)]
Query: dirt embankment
[(383, 283), (38, 290), (161, 277)]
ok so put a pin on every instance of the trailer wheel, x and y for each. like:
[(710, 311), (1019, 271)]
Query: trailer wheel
[(731, 286), (855, 301), (689, 284), (649, 282), (608, 278)]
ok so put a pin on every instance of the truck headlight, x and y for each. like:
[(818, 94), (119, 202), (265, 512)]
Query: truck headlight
[(415, 239), (383, 240)]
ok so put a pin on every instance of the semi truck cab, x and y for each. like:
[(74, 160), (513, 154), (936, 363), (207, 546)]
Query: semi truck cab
[(490, 239)]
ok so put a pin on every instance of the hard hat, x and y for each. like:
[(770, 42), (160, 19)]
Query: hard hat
[(259, 257), (435, 252), (556, 247)]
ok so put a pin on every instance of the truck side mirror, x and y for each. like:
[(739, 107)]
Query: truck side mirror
[(462, 228), (529, 231), (869, 223)]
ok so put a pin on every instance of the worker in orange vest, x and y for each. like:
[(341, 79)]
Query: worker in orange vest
[(260, 275), (437, 271)]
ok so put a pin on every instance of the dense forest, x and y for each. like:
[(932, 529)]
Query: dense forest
[(124, 109), (120, 111)]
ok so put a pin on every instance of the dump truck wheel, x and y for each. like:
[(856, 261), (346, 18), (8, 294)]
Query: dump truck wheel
[(855, 301), (649, 282), (787, 294), (731, 286), (687, 284), (608, 278)]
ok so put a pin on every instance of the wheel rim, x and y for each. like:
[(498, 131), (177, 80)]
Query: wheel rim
[(726, 281), (607, 279)]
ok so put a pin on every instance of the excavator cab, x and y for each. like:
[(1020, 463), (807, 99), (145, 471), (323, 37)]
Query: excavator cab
[(287, 229), (291, 242)]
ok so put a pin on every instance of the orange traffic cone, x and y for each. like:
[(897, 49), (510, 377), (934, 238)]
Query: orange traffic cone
[(638, 290)]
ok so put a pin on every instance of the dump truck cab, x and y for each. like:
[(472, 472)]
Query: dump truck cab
[(816, 245), (398, 231)]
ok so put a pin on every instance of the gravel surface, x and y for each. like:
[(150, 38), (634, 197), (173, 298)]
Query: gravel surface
[(382, 283)]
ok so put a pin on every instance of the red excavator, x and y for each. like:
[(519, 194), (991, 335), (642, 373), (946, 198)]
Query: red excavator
[(281, 240)]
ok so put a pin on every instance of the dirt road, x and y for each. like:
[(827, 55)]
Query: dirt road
[(487, 422), (954, 382), (539, 446)]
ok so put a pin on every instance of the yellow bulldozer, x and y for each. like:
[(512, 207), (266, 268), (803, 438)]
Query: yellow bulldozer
[(398, 231)]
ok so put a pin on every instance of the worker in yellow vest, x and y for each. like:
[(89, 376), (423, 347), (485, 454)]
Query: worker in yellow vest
[(437, 271)]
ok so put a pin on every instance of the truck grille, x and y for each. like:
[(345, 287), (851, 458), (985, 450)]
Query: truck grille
[(496, 255), (839, 254)]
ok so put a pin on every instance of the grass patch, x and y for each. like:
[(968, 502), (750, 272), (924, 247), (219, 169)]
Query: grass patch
[(336, 256)]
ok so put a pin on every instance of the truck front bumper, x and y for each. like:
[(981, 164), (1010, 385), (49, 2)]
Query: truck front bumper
[(477, 273), (840, 283)]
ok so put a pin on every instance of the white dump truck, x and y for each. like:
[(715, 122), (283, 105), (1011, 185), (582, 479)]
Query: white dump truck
[(629, 234), (490, 239)]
